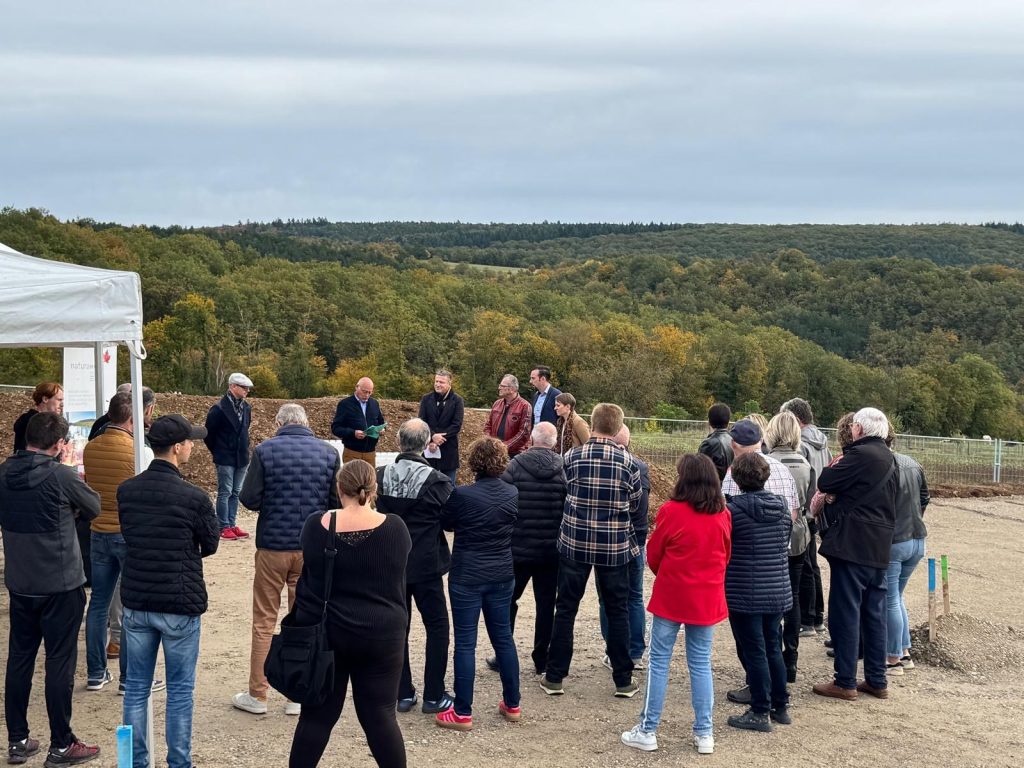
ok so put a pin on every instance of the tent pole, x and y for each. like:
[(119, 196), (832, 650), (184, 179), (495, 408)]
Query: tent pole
[(139, 430), (98, 376)]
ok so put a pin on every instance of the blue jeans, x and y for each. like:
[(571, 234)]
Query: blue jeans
[(108, 554), (468, 601), (635, 607), (698, 660), (903, 558), (144, 632), (229, 485)]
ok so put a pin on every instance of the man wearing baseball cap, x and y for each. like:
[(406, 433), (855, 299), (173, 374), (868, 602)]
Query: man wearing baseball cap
[(168, 526), (746, 438), (227, 427)]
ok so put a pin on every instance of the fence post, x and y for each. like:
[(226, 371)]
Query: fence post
[(997, 457)]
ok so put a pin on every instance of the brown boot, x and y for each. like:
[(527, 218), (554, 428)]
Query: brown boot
[(834, 691), (870, 690)]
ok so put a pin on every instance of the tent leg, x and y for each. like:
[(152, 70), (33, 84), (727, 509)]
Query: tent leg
[(97, 376), (140, 430)]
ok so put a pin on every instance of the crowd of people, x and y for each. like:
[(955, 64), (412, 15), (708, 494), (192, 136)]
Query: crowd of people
[(553, 500)]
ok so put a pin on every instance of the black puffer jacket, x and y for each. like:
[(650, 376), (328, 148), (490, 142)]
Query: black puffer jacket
[(482, 516), (757, 577), (168, 525), (718, 447), (865, 484), (539, 477)]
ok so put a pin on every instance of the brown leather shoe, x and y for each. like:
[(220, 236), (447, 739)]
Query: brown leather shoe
[(113, 650), (834, 691), (870, 690)]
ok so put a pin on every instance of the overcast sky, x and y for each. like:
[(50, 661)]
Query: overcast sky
[(214, 112)]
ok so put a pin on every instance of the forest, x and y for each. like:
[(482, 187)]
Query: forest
[(925, 322)]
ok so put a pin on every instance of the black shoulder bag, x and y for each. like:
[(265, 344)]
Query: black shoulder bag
[(300, 663)]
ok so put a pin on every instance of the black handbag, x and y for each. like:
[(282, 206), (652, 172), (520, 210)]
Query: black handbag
[(300, 663)]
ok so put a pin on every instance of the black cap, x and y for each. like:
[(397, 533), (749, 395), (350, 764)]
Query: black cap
[(745, 432), (172, 429)]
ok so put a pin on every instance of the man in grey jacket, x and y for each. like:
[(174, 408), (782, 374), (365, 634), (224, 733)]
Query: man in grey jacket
[(39, 499), (814, 447)]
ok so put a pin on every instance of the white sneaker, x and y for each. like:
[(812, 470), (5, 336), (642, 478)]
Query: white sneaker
[(247, 703), (640, 739), (607, 661), (292, 708), (639, 665), (704, 743)]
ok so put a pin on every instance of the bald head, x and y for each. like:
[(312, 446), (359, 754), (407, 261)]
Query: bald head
[(364, 389), (544, 435)]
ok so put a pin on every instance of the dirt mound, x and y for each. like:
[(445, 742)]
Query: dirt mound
[(946, 491), (966, 644)]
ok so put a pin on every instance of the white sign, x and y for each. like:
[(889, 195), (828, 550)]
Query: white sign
[(80, 382)]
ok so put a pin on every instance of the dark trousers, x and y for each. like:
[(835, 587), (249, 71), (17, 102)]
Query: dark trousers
[(433, 610), (791, 620), (856, 610), (613, 581), (812, 595), (759, 646), (545, 584), (54, 621), (373, 665)]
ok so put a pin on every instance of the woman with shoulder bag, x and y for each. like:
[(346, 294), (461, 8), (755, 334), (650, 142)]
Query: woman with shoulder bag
[(782, 442), (365, 619)]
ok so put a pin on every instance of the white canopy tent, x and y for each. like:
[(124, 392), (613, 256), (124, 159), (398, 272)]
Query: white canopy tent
[(52, 304)]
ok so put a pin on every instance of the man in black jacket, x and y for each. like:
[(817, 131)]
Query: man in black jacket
[(856, 541), (443, 410), (227, 437), (168, 525), (539, 477), (358, 423), (417, 493), (39, 499), (718, 445)]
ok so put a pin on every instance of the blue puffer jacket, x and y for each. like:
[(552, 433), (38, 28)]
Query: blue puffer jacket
[(290, 477), (757, 578)]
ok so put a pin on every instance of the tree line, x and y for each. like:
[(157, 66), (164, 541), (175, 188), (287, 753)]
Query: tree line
[(936, 346)]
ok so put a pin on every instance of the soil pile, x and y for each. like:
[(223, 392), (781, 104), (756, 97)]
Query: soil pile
[(966, 644)]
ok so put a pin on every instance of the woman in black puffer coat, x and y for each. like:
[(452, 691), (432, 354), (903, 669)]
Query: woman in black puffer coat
[(758, 592)]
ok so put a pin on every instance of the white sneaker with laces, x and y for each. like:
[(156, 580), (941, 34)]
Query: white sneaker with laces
[(704, 743), (292, 708), (640, 739), (248, 703)]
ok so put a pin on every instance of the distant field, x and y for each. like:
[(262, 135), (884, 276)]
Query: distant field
[(484, 267)]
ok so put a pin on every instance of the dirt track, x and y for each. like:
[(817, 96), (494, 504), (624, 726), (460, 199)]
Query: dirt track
[(936, 716)]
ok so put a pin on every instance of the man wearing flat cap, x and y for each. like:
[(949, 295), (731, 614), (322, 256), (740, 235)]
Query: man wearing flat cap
[(227, 428), (168, 526)]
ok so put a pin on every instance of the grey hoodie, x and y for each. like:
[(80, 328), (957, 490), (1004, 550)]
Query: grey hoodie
[(39, 498), (814, 447)]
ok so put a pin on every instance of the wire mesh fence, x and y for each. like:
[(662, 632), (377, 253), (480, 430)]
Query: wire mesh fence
[(946, 460)]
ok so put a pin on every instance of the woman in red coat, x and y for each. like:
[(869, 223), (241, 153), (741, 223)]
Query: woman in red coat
[(688, 552)]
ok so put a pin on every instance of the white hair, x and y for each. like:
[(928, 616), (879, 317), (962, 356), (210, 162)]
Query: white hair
[(292, 413), (544, 434), (413, 436), (873, 422)]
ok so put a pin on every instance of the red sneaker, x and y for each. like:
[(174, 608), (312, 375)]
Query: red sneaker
[(512, 714), (456, 722), (239, 533), (228, 534)]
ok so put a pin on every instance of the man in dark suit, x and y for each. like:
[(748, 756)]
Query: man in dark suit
[(443, 410), (544, 400), (355, 424)]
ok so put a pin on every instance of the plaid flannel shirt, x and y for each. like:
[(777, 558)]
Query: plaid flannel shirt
[(780, 482), (603, 491)]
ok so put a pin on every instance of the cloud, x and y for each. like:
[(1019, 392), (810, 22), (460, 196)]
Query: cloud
[(687, 111)]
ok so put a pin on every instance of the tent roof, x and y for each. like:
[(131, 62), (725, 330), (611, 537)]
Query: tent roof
[(47, 303)]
